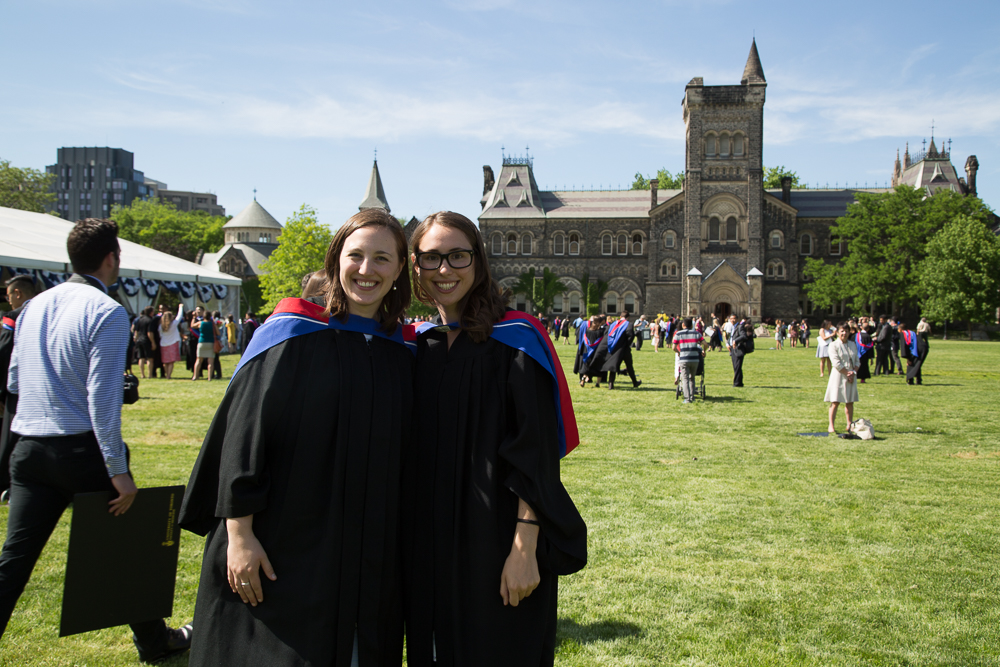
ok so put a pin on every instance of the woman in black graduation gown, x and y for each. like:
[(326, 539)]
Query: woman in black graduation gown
[(488, 525), (297, 483)]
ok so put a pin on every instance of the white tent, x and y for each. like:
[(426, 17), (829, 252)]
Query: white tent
[(36, 243)]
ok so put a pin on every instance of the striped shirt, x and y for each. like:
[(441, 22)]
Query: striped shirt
[(67, 368), (688, 344)]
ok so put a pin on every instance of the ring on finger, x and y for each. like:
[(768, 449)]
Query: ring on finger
[(244, 583)]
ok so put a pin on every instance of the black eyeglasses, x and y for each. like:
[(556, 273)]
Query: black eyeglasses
[(431, 261)]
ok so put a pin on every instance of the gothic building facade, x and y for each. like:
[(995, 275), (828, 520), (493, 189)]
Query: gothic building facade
[(722, 244)]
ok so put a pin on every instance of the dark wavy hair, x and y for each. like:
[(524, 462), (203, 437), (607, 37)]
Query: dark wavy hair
[(396, 302), (485, 302)]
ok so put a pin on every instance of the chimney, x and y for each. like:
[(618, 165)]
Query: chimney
[(654, 184), (971, 167), (786, 189)]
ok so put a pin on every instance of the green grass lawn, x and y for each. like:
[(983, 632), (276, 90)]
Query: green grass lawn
[(717, 535)]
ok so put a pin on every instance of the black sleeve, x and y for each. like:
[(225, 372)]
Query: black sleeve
[(230, 477), (6, 349), (531, 448)]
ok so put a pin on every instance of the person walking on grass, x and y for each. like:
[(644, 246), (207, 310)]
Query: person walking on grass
[(687, 344), (742, 345), (842, 386), (67, 370), (170, 339)]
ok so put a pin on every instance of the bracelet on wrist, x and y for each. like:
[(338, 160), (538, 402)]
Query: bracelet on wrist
[(529, 521)]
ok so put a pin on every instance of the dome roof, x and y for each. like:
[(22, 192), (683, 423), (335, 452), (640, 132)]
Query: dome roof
[(255, 216)]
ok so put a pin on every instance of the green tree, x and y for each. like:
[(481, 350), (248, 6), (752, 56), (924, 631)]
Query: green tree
[(25, 189), (161, 226), (541, 291), (886, 235), (301, 250), (667, 181), (960, 278), (593, 292), (773, 176)]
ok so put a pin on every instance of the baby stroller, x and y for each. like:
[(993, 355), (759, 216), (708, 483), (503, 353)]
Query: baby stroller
[(699, 388)]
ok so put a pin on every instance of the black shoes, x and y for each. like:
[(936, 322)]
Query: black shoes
[(178, 641), (637, 384)]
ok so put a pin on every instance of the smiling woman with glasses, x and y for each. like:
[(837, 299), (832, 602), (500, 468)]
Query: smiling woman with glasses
[(481, 479)]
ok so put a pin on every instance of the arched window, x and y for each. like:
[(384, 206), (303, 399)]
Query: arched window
[(606, 244), (612, 300), (512, 244), (622, 244), (574, 244), (776, 271), (776, 239), (637, 244), (559, 244), (526, 244), (710, 146), (521, 303), (630, 302), (497, 243), (574, 303), (806, 244), (835, 245), (557, 303), (723, 145), (669, 240), (731, 230), (674, 271), (713, 230), (738, 145), (668, 269)]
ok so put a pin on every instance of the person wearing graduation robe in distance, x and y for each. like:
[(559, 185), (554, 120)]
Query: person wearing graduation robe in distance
[(488, 526), (619, 350), (591, 352), (914, 348), (297, 483)]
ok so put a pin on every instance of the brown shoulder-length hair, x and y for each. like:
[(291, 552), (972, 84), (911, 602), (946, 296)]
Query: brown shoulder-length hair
[(485, 303), (397, 300)]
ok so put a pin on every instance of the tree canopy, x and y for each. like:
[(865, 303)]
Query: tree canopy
[(886, 236), (542, 291), (301, 250), (667, 181), (593, 292), (773, 176), (960, 278), (159, 225), (25, 189)]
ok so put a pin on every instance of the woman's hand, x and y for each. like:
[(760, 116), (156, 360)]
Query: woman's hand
[(520, 573), (243, 558)]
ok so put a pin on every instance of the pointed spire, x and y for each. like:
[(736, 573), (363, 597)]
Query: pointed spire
[(375, 196), (906, 156), (753, 72), (932, 152)]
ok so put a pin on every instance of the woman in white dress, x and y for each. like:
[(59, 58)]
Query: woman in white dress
[(843, 386), (825, 336)]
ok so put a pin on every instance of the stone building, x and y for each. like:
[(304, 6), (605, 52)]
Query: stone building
[(723, 244), (250, 238)]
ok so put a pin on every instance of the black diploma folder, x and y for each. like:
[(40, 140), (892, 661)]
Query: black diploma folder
[(121, 569)]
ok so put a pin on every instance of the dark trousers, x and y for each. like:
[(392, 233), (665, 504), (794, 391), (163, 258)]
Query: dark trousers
[(882, 364), (737, 369), (627, 360), (894, 362), (45, 475), (638, 341)]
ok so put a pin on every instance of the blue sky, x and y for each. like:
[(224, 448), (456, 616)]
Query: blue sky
[(292, 98)]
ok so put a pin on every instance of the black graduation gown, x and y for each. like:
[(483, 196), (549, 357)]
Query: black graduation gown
[(309, 440), (914, 365), (7, 439), (864, 371), (485, 435), (592, 367), (612, 360)]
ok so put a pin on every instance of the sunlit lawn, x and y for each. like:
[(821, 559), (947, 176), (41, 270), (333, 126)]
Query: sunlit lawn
[(718, 536)]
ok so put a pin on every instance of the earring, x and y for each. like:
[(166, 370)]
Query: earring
[(394, 287)]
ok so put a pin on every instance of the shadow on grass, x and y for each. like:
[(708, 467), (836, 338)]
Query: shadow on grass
[(724, 399), (569, 630)]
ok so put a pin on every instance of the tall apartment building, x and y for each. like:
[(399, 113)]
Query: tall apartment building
[(90, 180)]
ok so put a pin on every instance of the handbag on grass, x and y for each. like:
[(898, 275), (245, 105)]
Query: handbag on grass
[(131, 389), (863, 429)]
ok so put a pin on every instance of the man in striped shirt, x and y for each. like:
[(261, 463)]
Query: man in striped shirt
[(687, 344), (67, 370)]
